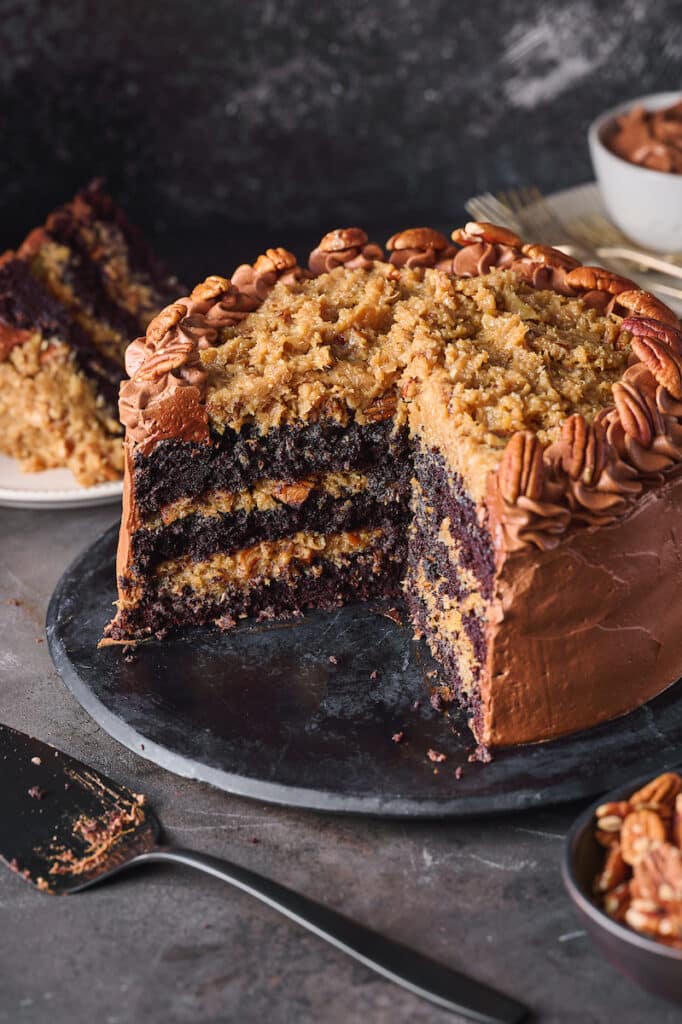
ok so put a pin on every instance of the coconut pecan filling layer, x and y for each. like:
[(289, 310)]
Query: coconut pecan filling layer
[(266, 560)]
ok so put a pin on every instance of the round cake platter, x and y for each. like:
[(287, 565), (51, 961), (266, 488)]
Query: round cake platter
[(328, 712)]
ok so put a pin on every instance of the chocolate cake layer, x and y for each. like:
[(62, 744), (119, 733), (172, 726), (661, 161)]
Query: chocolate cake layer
[(383, 501), (27, 305), (235, 461), (372, 573), (448, 499)]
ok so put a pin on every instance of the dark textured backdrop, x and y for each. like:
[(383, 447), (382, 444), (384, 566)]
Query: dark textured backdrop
[(240, 120)]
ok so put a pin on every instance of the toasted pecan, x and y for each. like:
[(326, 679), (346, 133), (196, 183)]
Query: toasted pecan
[(417, 238), (662, 361), (597, 279), (482, 231), (343, 238), (521, 471), (638, 302)]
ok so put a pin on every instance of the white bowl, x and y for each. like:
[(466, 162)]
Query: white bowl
[(645, 204)]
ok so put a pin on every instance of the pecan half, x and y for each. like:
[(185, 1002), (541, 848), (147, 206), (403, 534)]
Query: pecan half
[(662, 361), (614, 872), (170, 357), (658, 795), (597, 279), (277, 259), (522, 470), (165, 321), (648, 327), (658, 875), (637, 302), (617, 901), (212, 288), (343, 238), (634, 413), (417, 238), (677, 822), (483, 231), (583, 449), (641, 831), (382, 408), (549, 256)]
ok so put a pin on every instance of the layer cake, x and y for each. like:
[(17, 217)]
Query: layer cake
[(487, 427), (72, 297)]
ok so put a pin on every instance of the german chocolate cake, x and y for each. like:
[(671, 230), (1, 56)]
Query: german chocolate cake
[(489, 428), (71, 299)]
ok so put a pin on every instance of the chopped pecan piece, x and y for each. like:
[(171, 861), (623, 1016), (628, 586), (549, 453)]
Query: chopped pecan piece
[(382, 408), (293, 494)]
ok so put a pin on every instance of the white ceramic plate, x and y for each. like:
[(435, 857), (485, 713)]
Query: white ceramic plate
[(582, 200), (53, 488)]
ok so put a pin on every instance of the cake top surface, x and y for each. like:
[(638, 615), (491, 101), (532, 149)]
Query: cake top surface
[(480, 350), (499, 356)]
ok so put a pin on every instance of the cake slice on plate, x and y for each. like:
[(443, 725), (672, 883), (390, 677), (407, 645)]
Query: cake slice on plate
[(72, 297), (489, 427)]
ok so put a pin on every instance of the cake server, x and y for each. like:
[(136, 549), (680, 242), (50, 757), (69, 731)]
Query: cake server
[(65, 827)]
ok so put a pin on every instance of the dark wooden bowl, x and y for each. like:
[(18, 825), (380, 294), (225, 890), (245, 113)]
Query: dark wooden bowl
[(654, 966)]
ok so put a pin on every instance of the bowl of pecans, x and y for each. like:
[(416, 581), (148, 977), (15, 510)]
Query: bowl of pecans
[(623, 871)]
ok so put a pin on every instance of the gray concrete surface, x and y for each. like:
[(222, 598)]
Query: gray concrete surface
[(170, 947)]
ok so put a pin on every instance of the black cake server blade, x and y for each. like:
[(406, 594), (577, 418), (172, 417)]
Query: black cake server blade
[(65, 827)]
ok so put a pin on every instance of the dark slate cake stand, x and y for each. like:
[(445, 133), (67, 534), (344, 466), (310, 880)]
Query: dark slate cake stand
[(303, 712)]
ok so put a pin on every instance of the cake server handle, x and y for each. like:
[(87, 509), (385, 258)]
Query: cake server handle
[(426, 978)]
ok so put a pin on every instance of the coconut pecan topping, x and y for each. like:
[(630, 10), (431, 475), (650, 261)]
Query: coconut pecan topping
[(347, 247)]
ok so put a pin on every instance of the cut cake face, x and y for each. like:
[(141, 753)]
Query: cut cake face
[(489, 428)]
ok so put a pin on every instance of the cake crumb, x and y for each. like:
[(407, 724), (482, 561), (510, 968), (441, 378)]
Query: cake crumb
[(15, 602), (398, 737), (435, 755), (37, 793), (459, 772), (436, 702), (333, 659), (374, 675), (36, 760), (481, 755), (394, 615)]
